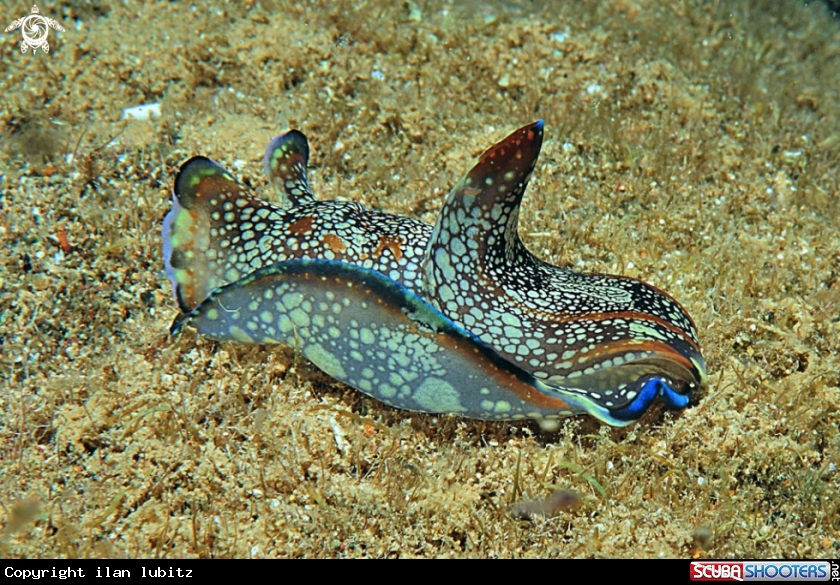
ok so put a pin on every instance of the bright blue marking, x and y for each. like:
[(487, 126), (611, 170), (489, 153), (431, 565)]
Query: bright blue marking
[(653, 387), (673, 400)]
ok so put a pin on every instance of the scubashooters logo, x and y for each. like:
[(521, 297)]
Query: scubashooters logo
[(717, 571), (35, 29), (762, 571)]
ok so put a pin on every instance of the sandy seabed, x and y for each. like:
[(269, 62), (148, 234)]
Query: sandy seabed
[(693, 144)]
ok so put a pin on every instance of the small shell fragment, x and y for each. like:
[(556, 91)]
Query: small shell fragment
[(143, 112)]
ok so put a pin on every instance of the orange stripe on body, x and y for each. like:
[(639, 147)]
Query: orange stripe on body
[(634, 346)]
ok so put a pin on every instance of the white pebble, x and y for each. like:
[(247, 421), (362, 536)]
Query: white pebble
[(143, 112)]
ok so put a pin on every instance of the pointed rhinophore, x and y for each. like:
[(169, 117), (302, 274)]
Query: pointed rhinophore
[(476, 234), (611, 338), (285, 163), (375, 335)]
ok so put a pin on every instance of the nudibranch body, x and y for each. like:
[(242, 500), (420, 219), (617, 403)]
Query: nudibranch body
[(601, 344)]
